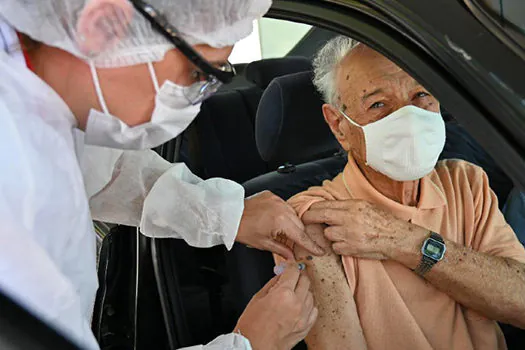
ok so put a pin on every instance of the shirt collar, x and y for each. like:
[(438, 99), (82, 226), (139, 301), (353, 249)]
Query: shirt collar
[(360, 188)]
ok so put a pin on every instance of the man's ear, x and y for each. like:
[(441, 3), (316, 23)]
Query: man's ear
[(334, 120)]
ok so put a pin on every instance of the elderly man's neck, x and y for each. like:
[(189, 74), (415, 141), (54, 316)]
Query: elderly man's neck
[(406, 192)]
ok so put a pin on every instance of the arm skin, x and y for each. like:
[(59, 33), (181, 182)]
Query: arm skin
[(337, 325), (475, 280), (491, 285)]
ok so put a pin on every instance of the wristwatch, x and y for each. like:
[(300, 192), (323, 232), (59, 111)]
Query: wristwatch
[(433, 250)]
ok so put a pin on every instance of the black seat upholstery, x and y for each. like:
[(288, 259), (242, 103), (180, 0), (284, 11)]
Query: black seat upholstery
[(261, 73), (221, 140), (290, 126), (225, 139)]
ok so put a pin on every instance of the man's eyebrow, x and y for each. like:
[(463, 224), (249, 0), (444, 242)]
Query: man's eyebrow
[(370, 94), (416, 83)]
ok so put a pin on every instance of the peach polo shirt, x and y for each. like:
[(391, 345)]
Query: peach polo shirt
[(398, 309)]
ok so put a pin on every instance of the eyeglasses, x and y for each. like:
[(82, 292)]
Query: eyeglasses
[(215, 76)]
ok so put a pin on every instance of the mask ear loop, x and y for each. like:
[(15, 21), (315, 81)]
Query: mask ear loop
[(350, 120), (98, 89), (153, 77)]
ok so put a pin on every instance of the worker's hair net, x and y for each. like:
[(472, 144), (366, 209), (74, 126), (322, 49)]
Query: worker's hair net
[(113, 34)]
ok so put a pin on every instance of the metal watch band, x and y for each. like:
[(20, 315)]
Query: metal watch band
[(437, 237), (424, 266), (427, 263)]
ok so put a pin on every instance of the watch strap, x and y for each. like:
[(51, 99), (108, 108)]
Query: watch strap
[(426, 262), (436, 236), (424, 266)]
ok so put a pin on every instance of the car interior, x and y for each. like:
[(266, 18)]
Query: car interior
[(266, 131)]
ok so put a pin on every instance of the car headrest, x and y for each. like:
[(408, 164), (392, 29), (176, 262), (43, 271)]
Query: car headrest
[(262, 72), (289, 126)]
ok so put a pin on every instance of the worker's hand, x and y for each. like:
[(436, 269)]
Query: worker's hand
[(268, 222), (282, 313)]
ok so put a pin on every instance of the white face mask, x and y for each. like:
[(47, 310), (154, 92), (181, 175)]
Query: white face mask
[(172, 114), (406, 144)]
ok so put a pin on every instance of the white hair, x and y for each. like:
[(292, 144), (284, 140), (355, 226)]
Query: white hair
[(326, 63)]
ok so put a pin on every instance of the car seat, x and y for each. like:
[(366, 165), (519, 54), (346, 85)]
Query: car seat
[(221, 140)]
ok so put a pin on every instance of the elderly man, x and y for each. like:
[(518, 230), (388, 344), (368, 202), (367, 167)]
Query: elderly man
[(428, 261)]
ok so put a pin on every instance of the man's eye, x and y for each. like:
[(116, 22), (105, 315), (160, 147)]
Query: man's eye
[(377, 105), (422, 94)]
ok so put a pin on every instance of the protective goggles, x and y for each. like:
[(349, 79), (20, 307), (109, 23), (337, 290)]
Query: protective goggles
[(215, 77)]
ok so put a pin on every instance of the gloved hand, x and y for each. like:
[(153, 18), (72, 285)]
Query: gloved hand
[(282, 313), (268, 221)]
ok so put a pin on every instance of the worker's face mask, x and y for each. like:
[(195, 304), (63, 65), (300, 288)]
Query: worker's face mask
[(404, 145), (172, 114)]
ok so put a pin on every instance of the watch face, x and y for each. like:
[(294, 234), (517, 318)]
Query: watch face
[(433, 249)]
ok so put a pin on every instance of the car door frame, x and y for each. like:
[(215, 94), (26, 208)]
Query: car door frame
[(467, 67)]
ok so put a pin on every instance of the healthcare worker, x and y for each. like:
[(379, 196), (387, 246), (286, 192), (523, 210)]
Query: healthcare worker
[(132, 79)]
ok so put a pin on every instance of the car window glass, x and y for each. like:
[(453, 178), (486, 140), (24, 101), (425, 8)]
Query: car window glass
[(270, 38), (509, 15)]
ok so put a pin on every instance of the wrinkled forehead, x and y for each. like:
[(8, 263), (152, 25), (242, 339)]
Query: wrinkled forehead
[(364, 69)]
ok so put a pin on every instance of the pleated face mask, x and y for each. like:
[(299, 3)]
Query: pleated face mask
[(406, 144), (171, 116)]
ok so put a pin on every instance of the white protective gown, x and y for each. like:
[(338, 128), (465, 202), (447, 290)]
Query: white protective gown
[(140, 188), (47, 243)]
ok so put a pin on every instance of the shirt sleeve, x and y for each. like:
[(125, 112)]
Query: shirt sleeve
[(165, 200), (232, 341), (492, 234)]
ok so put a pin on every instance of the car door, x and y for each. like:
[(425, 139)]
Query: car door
[(473, 71)]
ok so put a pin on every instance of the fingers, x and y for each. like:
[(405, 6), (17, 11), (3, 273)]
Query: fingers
[(334, 233), (342, 204), (268, 286), (325, 216), (279, 249), (308, 302), (313, 317), (299, 237), (302, 290), (290, 276), (340, 248)]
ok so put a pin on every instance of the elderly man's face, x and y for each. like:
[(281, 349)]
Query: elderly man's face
[(370, 87)]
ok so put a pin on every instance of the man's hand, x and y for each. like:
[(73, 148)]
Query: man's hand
[(282, 313), (360, 229), (268, 221)]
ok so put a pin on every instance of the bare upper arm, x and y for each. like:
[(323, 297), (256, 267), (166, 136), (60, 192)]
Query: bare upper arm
[(338, 325)]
